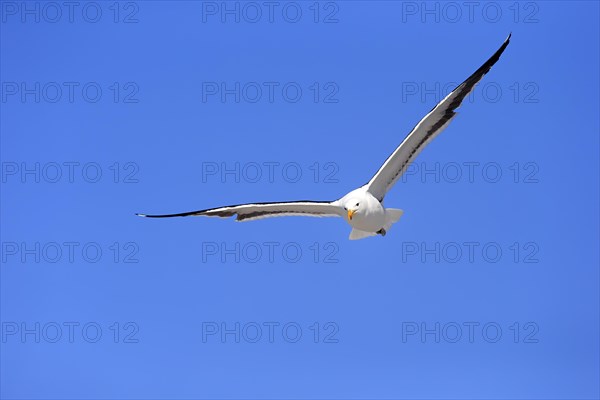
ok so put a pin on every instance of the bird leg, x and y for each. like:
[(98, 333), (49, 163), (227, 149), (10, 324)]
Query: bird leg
[(381, 232)]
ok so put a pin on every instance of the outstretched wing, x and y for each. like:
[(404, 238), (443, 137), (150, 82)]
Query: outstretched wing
[(427, 129), (249, 212)]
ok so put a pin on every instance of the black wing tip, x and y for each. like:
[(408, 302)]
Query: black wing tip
[(186, 214), (150, 216), (484, 69), (493, 59), (506, 42)]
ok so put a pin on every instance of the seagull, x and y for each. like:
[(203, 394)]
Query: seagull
[(363, 208)]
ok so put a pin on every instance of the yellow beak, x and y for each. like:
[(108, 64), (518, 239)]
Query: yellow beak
[(350, 214)]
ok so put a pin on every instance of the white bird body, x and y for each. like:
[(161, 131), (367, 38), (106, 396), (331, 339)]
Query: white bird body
[(363, 207), (368, 214)]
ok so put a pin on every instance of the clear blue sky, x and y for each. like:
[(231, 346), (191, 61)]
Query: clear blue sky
[(488, 287)]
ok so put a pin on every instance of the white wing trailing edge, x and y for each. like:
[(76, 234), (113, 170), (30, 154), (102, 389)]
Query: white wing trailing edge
[(254, 211), (426, 130)]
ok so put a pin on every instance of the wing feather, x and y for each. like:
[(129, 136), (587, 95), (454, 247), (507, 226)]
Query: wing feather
[(254, 211), (426, 130)]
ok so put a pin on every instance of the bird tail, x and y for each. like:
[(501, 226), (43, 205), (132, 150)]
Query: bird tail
[(392, 215), (358, 234)]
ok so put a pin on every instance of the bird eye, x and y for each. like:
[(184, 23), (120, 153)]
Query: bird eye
[(356, 204)]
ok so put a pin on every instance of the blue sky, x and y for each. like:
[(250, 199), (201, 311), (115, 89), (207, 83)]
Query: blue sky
[(488, 287)]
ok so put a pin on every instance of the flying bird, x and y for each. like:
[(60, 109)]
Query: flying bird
[(363, 208)]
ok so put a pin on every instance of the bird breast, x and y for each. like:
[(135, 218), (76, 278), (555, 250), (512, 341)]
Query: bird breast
[(371, 217)]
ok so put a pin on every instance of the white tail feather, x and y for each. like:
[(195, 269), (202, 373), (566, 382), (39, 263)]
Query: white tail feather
[(358, 234), (392, 215)]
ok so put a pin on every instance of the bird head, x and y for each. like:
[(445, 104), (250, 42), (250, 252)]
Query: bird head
[(352, 207)]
